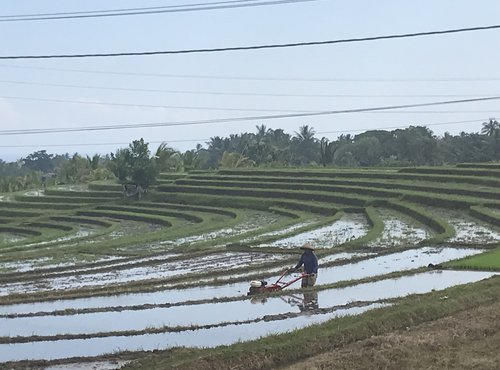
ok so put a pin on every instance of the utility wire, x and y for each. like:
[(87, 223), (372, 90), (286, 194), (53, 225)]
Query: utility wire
[(146, 11), (256, 78), (149, 105), (255, 47), (233, 119), (235, 93), (123, 9), (136, 105), (208, 139)]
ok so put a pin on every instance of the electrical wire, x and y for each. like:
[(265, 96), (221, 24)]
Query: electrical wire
[(255, 47), (146, 11), (136, 105), (208, 139), (233, 119), (236, 93), (255, 78)]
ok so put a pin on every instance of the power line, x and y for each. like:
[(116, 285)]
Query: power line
[(233, 119), (136, 105), (208, 139), (146, 11), (235, 93), (256, 78), (255, 47)]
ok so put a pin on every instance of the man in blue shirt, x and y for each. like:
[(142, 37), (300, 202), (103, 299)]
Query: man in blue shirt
[(310, 262)]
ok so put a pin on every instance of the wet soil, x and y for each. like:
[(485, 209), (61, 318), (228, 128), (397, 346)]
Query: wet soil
[(398, 231), (347, 228)]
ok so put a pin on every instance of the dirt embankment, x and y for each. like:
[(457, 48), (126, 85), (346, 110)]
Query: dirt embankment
[(466, 340)]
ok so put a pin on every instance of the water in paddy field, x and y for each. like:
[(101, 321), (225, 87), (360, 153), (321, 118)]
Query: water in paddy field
[(347, 228), (410, 259), (7, 238), (292, 312), (160, 269), (397, 232)]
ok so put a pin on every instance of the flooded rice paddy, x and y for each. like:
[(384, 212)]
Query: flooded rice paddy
[(242, 320), (398, 232), (347, 228), (218, 311)]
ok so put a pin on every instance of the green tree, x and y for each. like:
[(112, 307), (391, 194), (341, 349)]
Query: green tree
[(167, 158), (491, 128), (135, 164), (39, 161)]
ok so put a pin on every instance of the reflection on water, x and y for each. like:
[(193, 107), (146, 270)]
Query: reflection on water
[(301, 304)]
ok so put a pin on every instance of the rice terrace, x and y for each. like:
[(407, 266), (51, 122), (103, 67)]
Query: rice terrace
[(92, 277)]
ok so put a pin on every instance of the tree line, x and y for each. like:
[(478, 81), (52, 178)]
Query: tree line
[(266, 147)]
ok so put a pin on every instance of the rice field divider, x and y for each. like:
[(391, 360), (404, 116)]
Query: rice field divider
[(490, 166), (152, 211), (381, 174), (249, 247), (234, 203), (187, 207), (376, 227), (409, 312), (83, 194), (443, 229), (402, 184), (61, 199), (132, 216), (295, 184), (453, 171), (266, 193)]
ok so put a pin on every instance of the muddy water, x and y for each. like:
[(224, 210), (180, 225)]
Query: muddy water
[(390, 288), (286, 230), (204, 314), (402, 261), (348, 227), (374, 266), (469, 231), (7, 238), (254, 222), (397, 232), (198, 338), (218, 262)]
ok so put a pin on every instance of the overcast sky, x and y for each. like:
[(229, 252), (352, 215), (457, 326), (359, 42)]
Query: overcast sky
[(273, 74)]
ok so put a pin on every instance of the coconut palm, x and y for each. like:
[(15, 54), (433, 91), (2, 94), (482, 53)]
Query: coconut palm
[(305, 133), (491, 128)]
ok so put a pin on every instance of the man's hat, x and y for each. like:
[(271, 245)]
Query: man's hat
[(307, 246)]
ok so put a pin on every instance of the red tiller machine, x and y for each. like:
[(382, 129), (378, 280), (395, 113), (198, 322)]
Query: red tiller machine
[(258, 286)]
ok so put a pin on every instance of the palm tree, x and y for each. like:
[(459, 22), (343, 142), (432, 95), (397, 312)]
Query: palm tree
[(305, 133), (491, 128), (166, 157)]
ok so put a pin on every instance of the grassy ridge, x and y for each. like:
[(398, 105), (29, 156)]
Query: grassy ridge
[(414, 186), (285, 349), (290, 194), (489, 261)]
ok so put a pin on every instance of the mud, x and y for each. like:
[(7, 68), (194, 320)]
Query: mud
[(398, 232), (165, 269), (347, 228), (257, 221), (284, 231)]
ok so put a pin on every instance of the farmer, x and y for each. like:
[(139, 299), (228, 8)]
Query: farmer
[(310, 262)]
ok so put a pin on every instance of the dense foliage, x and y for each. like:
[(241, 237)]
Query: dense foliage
[(412, 146)]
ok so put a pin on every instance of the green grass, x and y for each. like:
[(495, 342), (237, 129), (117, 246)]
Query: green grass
[(485, 261), (286, 349)]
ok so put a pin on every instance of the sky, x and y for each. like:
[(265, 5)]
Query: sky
[(212, 86)]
